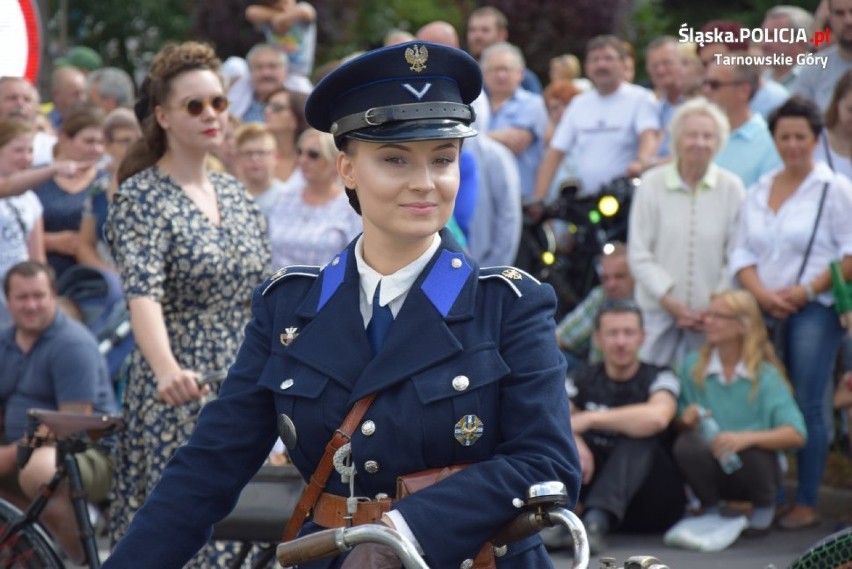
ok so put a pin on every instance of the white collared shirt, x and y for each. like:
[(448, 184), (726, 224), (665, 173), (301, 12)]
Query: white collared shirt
[(714, 367), (395, 286), (775, 242)]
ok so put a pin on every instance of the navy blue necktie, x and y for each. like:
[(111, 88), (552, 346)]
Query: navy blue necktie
[(380, 323)]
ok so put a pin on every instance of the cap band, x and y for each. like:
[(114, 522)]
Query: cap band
[(377, 116)]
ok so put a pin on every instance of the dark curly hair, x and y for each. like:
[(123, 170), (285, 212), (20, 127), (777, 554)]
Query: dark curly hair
[(170, 62)]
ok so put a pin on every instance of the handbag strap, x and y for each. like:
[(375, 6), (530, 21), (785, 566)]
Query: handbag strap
[(813, 233), (827, 148), (323, 470)]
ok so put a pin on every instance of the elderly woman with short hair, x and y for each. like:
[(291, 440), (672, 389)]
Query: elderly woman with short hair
[(682, 226)]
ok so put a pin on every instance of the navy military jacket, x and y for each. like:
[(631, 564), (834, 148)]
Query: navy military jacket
[(306, 355)]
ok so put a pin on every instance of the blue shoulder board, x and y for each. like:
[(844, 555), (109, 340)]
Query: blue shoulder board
[(291, 271), (515, 278)]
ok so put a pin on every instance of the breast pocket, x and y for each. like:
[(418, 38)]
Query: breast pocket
[(306, 396), (461, 401)]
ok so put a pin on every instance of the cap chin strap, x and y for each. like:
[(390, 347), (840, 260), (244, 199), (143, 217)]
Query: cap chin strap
[(378, 116)]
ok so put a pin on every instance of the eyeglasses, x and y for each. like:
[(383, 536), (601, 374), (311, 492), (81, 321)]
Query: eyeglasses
[(251, 154), (125, 141), (276, 107), (714, 84), (311, 154), (722, 316), (196, 106)]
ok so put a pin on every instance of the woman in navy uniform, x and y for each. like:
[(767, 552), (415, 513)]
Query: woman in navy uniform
[(463, 360)]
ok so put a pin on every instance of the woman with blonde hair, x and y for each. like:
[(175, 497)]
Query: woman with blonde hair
[(312, 220), (737, 378)]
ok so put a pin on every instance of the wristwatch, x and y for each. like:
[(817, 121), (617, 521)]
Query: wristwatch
[(809, 292)]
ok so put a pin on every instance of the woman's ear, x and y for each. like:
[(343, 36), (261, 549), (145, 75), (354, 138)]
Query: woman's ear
[(345, 170), (160, 117)]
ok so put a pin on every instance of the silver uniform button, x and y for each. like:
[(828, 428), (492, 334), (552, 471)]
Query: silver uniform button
[(371, 466), (335, 261), (461, 382), (466, 564), (456, 263), (368, 428), (501, 551), (287, 384)]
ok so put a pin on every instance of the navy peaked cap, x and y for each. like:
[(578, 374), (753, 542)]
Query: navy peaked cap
[(410, 91)]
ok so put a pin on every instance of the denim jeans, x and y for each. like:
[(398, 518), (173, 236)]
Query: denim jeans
[(813, 338)]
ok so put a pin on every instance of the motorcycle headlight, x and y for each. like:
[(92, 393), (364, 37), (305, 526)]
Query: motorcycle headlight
[(608, 206)]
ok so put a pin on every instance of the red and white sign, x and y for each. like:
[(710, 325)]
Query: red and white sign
[(21, 39)]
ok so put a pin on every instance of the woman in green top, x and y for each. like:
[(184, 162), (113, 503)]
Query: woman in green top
[(737, 377)]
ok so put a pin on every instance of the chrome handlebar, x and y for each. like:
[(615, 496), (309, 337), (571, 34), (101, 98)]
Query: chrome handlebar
[(544, 505)]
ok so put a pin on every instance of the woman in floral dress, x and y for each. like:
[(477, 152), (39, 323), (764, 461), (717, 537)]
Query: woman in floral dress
[(190, 247)]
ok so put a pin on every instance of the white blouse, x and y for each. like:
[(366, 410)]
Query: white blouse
[(775, 242)]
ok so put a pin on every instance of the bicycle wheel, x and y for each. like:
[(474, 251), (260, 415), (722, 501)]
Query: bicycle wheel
[(833, 552), (30, 548)]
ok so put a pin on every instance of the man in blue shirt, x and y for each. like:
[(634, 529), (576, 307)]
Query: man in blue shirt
[(49, 361)]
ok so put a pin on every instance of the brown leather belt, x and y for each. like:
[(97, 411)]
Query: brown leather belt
[(330, 511)]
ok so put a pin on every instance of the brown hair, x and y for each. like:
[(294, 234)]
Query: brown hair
[(28, 270), (10, 129), (562, 90), (80, 118), (297, 102), (841, 88), (170, 62)]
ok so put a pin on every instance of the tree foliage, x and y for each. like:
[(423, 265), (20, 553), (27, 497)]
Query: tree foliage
[(128, 32)]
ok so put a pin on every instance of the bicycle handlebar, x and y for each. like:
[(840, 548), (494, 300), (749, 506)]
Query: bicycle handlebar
[(331, 542)]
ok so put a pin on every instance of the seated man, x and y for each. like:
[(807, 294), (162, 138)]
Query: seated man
[(49, 361), (621, 413), (574, 332)]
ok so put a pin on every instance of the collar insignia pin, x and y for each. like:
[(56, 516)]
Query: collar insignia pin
[(289, 335), (416, 57)]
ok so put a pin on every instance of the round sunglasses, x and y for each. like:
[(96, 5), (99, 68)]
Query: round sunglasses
[(196, 106)]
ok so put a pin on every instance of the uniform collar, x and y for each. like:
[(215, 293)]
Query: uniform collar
[(444, 291), (393, 285)]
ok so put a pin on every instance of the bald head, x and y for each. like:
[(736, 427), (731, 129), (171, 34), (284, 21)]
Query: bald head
[(67, 88), (439, 32)]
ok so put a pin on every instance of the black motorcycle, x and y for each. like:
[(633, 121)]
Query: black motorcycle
[(562, 241)]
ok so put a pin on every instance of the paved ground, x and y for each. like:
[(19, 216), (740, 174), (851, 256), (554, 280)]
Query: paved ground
[(776, 550)]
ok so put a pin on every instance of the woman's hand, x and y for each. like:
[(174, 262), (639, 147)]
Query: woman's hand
[(685, 317), (70, 168), (587, 460), (691, 417), (776, 304), (727, 443), (795, 295), (64, 242), (180, 387)]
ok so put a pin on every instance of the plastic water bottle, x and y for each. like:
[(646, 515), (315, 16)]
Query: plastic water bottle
[(730, 463)]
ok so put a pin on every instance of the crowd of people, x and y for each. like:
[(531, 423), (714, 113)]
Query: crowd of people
[(194, 186)]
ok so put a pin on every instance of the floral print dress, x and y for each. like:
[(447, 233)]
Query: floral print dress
[(202, 274)]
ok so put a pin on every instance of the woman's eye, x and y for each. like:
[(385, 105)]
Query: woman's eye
[(444, 160), (394, 159)]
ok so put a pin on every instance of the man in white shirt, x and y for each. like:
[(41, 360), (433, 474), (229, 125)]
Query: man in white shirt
[(19, 100), (612, 130)]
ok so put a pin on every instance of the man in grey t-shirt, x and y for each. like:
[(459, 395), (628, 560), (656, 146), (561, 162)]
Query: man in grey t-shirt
[(814, 81), (51, 362)]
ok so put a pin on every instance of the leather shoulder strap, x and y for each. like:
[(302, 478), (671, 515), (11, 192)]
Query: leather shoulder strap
[(320, 476)]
